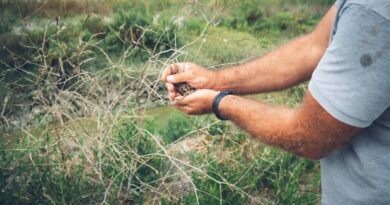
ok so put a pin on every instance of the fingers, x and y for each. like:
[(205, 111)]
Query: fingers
[(173, 74), (180, 101), (171, 91), (172, 96), (178, 78), (187, 100), (196, 103), (170, 87), (185, 109), (166, 72), (170, 70), (183, 104)]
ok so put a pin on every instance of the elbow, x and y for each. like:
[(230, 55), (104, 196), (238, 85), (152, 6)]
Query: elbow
[(314, 156), (315, 153), (316, 47), (314, 149)]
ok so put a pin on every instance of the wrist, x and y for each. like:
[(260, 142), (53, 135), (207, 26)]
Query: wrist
[(216, 81), (211, 80)]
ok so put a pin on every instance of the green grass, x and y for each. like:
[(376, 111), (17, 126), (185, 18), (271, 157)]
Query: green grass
[(129, 164), (96, 143)]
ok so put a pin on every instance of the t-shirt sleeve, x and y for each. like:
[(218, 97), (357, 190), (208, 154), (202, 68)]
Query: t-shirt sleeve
[(352, 80)]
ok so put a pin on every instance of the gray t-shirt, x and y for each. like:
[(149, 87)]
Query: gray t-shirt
[(352, 83)]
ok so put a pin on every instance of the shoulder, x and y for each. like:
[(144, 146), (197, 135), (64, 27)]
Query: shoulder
[(379, 7), (351, 81)]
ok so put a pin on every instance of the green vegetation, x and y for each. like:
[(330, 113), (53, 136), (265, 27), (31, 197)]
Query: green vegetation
[(178, 126), (84, 117)]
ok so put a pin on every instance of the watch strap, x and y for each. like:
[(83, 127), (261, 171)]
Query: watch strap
[(216, 102)]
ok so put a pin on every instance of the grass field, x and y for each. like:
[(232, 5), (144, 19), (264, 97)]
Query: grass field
[(85, 119)]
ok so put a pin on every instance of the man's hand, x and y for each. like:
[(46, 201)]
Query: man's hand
[(195, 75), (197, 103)]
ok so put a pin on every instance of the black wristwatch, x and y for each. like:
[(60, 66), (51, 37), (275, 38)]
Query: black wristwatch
[(216, 102)]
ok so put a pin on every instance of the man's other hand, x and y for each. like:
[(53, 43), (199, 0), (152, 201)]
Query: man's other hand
[(195, 75), (197, 103)]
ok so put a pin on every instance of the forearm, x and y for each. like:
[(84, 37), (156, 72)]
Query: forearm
[(268, 123), (284, 67), (307, 131)]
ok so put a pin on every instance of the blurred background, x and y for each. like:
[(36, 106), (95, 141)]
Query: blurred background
[(84, 118)]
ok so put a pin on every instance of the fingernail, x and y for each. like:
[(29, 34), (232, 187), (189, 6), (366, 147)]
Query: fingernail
[(170, 78)]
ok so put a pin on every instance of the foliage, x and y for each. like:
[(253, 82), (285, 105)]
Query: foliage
[(218, 128), (39, 171), (177, 127), (53, 8), (132, 159), (8, 21), (244, 168), (286, 176), (236, 46), (78, 81), (136, 27), (47, 172), (254, 19)]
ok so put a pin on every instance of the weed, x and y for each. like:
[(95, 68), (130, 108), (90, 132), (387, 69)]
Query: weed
[(178, 126)]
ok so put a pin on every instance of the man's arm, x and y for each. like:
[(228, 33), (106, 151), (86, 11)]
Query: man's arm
[(284, 67), (308, 130)]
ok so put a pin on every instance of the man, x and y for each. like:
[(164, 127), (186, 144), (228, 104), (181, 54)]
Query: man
[(344, 119)]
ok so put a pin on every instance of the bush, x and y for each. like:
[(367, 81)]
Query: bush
[(8, 21), (260, 17), (244, 171), (132, 159), (286, 176), (248, 14), (287, 21), (36, 173), (135, 28), (194, 26), (94, 25), (43, 168), (54, 8), (178, 126), (218, 128)]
